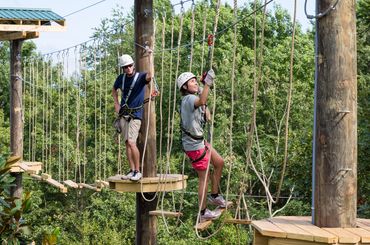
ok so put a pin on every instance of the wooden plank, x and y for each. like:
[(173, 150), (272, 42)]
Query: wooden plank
[(45, 176), (362, 233), (165, 213), (201, 226), (364, 224), (35, 176), (282, 241), (7, 36), (238, 221), (32, 35), (292, 231), (319, 235), (61, 22), (71, 184), (29, 167), (101, 183), (258, 239), (90, 187), (32, 28), (343, 235), (55, 183), (34, 167), (266, 228)]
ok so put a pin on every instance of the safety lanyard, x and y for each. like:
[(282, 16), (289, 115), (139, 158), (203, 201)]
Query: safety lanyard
[(131, 87)]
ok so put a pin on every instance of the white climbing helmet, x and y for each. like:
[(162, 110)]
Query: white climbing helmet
[(125, 60), (183, 78)]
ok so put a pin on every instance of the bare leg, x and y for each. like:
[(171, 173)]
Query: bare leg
[(135, 156), (129, 154), (201, 192), (218, 164)]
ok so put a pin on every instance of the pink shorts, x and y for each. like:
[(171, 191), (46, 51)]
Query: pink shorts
[(202, 163)]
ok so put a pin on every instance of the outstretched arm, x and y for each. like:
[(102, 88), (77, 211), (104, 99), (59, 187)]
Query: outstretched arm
[(149, 74)]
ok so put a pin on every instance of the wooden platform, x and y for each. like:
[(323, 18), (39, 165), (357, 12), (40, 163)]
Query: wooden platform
[(28, 167), (169, 182), (296, 230)]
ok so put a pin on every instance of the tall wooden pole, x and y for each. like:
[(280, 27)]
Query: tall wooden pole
[(336, 112), (146, 226), (16, 123)]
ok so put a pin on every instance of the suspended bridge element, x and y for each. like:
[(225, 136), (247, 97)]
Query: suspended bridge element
[(163, 182), (295, 230), (201, 226)]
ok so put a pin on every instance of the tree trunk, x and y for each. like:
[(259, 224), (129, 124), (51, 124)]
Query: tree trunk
[(16, 123), (146, 225)]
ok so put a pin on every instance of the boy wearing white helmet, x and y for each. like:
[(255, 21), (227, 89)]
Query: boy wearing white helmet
[(130, 109), (193, 114)]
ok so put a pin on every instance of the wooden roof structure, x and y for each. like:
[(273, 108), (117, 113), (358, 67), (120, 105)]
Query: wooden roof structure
[(26, 23), (295, 230)]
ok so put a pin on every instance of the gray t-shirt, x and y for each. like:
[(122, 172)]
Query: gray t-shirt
[(193, 121)]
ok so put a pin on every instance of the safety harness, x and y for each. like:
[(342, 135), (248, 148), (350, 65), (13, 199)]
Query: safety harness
[(125, 111)]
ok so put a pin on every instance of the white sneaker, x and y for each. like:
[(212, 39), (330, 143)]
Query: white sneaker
[(136, 176), (210, 215), (128, 176), (218, 201)]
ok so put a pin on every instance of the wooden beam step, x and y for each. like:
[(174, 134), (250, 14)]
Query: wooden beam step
[(55, 183), (90, 187), (165, 213), (101, 184), (71, 184)]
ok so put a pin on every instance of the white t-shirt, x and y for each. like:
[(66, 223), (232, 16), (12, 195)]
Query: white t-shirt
[(193, 121)]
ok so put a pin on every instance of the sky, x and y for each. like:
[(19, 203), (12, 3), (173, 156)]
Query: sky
[(80, 25)]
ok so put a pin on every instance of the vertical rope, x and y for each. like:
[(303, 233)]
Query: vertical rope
[(78, 97), (232, 98), (257, 74), (34, 116), (170, 92), (64, 148), (43, 111), (162, 82), (192, 35), (105, 111), (176, 75), (85, 119), (51, 110), (95, 115), (100, 115), (203, 37), (66, 137), (288, 104), (30, 111)]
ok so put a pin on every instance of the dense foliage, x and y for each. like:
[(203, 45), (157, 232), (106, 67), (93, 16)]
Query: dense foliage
[(69, 111)]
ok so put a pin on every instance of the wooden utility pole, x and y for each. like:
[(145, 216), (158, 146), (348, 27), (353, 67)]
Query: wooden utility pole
[(336, 116), (16, 123), (146, 225)]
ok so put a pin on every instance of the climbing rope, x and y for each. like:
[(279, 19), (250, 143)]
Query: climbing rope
[(288, 104)]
